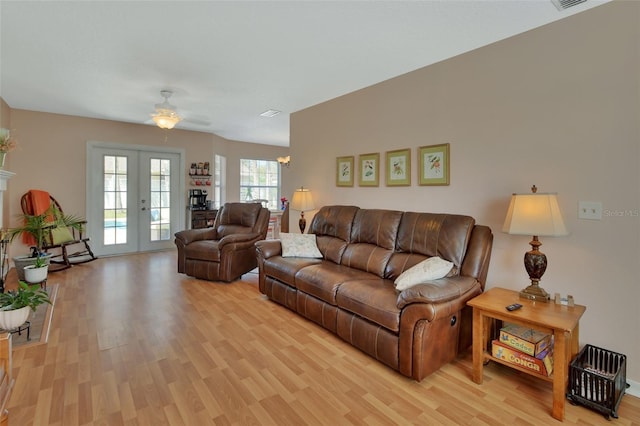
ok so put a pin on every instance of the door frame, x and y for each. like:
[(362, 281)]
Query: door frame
[(90, 195)]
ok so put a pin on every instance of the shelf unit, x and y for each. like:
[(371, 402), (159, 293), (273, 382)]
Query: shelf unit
[(203, 218), (203, 179)]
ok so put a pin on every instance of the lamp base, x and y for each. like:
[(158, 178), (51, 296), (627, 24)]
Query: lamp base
[(536, 293), (302, 223)]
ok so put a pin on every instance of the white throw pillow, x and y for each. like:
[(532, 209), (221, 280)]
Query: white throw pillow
[(432, 268), (299, 245)]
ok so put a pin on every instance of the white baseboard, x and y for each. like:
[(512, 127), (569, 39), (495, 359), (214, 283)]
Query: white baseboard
[(633, 389)]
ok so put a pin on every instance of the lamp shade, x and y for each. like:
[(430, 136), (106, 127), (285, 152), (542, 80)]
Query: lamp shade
[(534, 214), (302, 200), (166, 119)]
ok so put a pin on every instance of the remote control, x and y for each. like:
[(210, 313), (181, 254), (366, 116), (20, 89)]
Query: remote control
[(514, 307)]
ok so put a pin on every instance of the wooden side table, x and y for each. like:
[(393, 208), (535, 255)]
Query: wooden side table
[(560, 320)]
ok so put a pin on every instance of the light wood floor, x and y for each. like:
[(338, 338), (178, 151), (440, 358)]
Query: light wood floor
[(134, 343)]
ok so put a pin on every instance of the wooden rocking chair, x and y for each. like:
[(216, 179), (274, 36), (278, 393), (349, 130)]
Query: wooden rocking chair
[(60, 238)]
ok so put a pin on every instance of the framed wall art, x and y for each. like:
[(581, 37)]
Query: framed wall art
[(399, 167), (344, 171), (369, 165), (434, 164)]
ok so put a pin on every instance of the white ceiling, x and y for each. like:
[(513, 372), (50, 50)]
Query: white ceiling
[(228, 61)]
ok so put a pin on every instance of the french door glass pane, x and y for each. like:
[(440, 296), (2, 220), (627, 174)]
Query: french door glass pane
[(115, 200), (160, 185)]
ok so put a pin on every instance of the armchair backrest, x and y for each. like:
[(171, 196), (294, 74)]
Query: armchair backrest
[(241, 218)]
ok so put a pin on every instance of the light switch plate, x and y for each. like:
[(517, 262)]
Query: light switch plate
[(591, 210)]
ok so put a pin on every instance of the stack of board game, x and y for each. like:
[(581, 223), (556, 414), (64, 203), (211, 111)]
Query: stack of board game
[(529, 349)]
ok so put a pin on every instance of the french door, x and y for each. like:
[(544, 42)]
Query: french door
[(134, 200)]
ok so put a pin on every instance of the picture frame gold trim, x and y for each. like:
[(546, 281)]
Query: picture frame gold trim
[(369, 169), (398, 167), (344, 171), (433, 163)]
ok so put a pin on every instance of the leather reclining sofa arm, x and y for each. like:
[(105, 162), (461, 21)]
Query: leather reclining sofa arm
[(190, 235), (268, 248), (240, 240), (437, 291)]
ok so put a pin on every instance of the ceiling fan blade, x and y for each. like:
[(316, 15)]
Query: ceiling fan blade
[(197, 121)]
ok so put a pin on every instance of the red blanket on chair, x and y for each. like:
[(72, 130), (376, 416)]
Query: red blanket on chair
[(38, 202)]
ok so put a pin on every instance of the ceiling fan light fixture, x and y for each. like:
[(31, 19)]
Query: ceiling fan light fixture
[(165, 116)]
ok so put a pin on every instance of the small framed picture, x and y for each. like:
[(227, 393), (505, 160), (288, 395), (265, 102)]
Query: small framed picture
[(344, 171), (434, 164), (369, 169), (399, 167)]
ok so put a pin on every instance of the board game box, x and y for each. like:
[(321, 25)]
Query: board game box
[(541, 364), (525, 339)]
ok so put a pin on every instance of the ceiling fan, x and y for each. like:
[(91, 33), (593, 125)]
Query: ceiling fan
[(166, 116)]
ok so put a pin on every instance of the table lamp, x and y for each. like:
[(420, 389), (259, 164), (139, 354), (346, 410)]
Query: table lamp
[(536, 214), (302, 200)]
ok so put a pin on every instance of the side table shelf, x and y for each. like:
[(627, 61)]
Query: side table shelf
[(489, 357), (559, 320), (203, 218)]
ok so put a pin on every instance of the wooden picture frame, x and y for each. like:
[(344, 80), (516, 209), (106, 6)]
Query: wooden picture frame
[(398, 167), (344, 171), (369, 169), (434, 164)]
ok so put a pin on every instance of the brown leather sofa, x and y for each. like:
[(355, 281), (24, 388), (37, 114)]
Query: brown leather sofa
[(225, 251), (351, 292)]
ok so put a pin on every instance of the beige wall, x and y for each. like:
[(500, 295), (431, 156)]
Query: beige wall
[(5, 122), (557, 107), (51, 155)]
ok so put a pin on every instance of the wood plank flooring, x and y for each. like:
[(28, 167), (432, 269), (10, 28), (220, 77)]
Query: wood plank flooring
[(134, 343)]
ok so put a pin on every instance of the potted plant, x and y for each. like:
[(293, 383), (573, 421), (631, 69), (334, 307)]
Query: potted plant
[(37, 272), (16, 305), (40, 227)]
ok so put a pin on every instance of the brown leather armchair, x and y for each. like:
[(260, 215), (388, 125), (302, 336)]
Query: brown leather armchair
[(226, 251)]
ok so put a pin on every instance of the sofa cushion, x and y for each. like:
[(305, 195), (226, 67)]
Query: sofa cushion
[(372, 240), (323, 279), (331, 248), (332, 227), (203, 250), (374, 300), (334, 221), (377, 227), (235, 218), (285, 268), (422, 235), (299, 245), (437, 291), (432, 268)]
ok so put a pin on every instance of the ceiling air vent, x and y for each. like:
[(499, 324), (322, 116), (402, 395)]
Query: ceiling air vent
[(566, 4)]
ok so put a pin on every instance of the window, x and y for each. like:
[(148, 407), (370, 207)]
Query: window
[(260, 180), (219, 173)]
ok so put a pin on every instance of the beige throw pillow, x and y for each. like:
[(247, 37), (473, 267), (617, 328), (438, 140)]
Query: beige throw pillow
[(299, 245), (432, 268)]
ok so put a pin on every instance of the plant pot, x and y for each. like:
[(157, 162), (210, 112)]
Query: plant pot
[(10, 320), (21, 261), (35, 275)]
